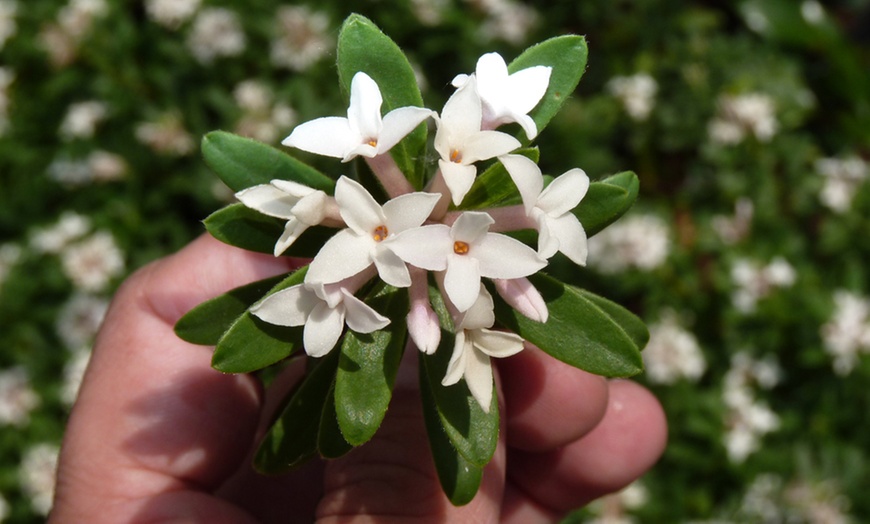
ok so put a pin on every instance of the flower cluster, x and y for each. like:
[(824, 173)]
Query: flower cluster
[(415, 232)]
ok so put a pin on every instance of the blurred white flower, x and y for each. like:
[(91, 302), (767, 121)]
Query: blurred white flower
[(82, 118), (105, 166), (755, 18), (733, 229), (302, 38), (754, 282), (166, 135), (847, 333), (73, 373), (37, 476), (17, 397), (639, 241), (79, 319), (260, 119), (748, 419), (93, 262), (812, 12), (843, 177), (10, 255), (636, 92), (506, 20), (216, 33), (171, 13), (53, 239), (4, 509), (77, 17), (429, 12), (673, 353), (769, 499), (8, 25), (739, 115), (6, 78)]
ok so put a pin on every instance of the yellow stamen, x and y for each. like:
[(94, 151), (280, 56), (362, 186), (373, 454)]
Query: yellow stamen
[(380, 233), (373, 142), (460, 248), (456, 156)]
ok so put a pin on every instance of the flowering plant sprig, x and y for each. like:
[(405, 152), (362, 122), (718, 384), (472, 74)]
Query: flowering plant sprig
[(409, 256)]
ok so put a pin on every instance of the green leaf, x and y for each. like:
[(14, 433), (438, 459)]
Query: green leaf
[(606, 201), (472, 431), (494, 186), (578, 331), (248, 229), (241, 163), (251, 344), (368, 366), (634, 327), (567, 56), (364, 47), (460, 479), (206, 323), (330, 442), (293, 437)]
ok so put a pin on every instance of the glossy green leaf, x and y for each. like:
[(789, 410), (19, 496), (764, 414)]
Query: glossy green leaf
[(330, 442), (251, 344), (577, 332), (494, 186), (459, 478), (634, 327), (567, 56), (362, 46), (473, 432), (206, 323), (606, 201), (293, 437), (368, 365), (248, 229), (241, 163)]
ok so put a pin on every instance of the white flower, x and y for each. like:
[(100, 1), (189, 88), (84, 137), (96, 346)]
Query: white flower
[(8, 26), (17, 397), (323, 310), (171, 13), (303, 38), (847, 333), (37, 476), (473, 347), (672, 353), (507, 97), (639, 241), (506, 20), (812, 12), (558, 228), (166, 135), (364, 132), (460, 141), (738, 115), (93, 262), (843, 177), (10, 255), (467, 251), (300, 205), (54, 239), (82, 118), (369, 235), (636, 92), (754, 282), (216, 33)]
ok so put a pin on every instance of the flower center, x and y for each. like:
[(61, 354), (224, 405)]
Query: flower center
[(456, 156), (380, 233), (372, 142), (460, 248)]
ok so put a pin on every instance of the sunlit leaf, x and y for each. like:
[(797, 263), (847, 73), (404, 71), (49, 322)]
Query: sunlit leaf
[(607, 200)]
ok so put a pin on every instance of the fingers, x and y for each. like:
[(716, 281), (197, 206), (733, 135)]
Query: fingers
[(152, 416), (628, 441)]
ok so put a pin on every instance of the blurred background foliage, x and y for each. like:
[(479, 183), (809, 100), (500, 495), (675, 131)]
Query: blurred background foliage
[(747, 253)]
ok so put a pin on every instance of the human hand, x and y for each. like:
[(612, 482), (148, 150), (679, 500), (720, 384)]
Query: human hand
[(157, 435)]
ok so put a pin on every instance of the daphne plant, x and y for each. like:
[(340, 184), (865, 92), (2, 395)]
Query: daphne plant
[(442, 258)]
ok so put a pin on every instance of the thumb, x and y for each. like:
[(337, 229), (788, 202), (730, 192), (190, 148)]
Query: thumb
[(392, 478)]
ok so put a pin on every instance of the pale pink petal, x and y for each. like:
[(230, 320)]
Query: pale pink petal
[(526, 176), (564, 193), (423, 327), (288, 307), (364, 112), (480, 314), (391, 268), (498, 344), (363, 149), (342, 256), (521, 295), (398, 123), (268, 200), (311, 209), (478, 377), (487, 144), (456, 366), (462, 281), (501, 256), (292, 188), (329, 136), (360, 317), (322, 329), (458, 177), (572, 237), (426, 247), (548, 244), (409, 210), (471, 227), (357, 207), (292, 229)]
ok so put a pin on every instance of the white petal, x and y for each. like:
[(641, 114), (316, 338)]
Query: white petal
[(409, 210), (364, 112), (572, 237), (391, 268), (521, 295), (492, 76), (458, 177), (323, 329), (462, 112), (456, 366), (481, 314), (487, 144), (548, 244), (342, 256), (526, 122), (426, 247), (292, 229), (268, 200), (360, 317), (311, 209), (398, 123), (526, 176), (329, 136), (501, 256), (462, 281), (423, 327), (357, 207), (288, 307), (471, 227), (564, 192), (499, 344), (478, 376), (459, 80), (527, 86), (293, 188)]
